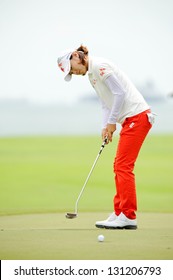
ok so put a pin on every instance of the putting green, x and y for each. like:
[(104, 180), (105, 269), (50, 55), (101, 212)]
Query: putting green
[(52, 236)]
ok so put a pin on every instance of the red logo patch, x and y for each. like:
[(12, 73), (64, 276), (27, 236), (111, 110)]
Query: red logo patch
[(60, 66), (102, 71)]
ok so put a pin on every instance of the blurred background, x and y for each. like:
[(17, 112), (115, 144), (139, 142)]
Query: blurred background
[(34, 98)]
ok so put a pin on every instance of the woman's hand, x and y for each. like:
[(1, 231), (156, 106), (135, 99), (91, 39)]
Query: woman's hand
[(108, 132)]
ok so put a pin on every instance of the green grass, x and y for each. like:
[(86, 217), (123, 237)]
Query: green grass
[(52, 237), (46, 174), (40, 179)]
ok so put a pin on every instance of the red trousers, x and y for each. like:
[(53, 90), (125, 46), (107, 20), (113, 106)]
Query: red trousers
[(132, 135)]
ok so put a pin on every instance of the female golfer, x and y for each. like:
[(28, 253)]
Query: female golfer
[(121, 103)]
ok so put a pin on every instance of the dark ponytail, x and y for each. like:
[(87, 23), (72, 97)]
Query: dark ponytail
[(83, 52), (83, 49)]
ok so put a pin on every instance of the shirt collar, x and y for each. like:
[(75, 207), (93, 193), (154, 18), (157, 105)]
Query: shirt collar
[(90, 70)]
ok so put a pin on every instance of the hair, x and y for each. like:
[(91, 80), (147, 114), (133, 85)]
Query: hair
[(83, 49), (82, 52)]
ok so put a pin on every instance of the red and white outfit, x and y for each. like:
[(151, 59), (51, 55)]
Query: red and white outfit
[(122, 103)]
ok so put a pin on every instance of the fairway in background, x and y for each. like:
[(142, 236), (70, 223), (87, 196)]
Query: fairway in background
[(46, 174)]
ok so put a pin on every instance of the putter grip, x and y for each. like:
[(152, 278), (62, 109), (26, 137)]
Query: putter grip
[(103, 145), (105, 140)]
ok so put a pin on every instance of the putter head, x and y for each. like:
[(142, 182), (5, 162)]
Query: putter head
[(71, 215)]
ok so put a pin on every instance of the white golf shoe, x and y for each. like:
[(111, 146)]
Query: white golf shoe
[(121, 222), (103, 224)]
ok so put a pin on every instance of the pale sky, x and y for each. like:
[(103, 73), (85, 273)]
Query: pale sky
[(136, 34)]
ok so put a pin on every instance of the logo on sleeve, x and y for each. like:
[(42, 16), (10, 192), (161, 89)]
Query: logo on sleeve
[(102, 71)]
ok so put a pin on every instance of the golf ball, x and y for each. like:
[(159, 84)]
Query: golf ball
[(101, 238)]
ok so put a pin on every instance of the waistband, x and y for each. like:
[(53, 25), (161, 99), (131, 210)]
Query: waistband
[(144, 112)]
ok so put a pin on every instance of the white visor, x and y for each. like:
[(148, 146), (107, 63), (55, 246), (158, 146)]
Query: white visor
[(64, 64)]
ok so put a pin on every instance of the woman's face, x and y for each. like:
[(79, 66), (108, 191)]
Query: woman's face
[(77, 68)]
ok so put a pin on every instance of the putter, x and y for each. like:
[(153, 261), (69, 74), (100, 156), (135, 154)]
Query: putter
[(74, 215)]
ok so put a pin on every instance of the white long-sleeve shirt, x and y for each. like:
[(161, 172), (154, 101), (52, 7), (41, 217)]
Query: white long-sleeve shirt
[(119, 97)]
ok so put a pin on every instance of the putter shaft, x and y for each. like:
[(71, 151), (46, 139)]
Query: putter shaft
[(74, 215), (92, 168)]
